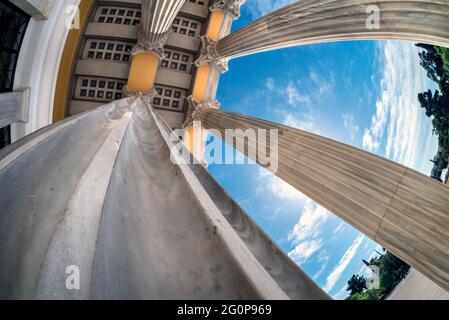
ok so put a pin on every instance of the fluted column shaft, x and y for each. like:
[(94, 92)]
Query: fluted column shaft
[(404, 211), (157, 18), (154, 28), (223, 13), (314, 21)]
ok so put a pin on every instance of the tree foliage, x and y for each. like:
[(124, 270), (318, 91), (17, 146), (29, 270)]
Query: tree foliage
[(392, 271), (435, 60), (434, 65), (444, 53), (356, 284), (436, 106), (361, 296)]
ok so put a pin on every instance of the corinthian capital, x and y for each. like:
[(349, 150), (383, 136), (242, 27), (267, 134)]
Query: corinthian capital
[(231, 7), (210, 56), (153, 43), (128, 92), (196, 107)]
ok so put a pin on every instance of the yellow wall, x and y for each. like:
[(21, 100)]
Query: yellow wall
[(67, 63), (215, 23), (192, 136), (188, 138), (200, 86), (195, 141), (143, 72), (204, 71)]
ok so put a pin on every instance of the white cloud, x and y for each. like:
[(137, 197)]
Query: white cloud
[(325, 85), (290, 93), (398, 116), (338, 228), (320, 272), (323, 260), (269, 83), (342, 293), (351, 127), (258, 8), (293, 95), (336, 274), (306, 234), (369, 142), (290, 97), (306, 124), (305, 249), (277, 186)]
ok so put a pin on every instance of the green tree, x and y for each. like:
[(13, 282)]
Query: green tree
[(365, 295), (437, 107), (360, 296), (433, 63), (444, 53), (386, 282), (356, 284), (435, 60), (393, 270)]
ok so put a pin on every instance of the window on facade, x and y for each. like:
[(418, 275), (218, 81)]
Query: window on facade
[(107, 50), (116, 15), (169, 98), (177, 60), (187, 26), (199, 2), (98, 89)]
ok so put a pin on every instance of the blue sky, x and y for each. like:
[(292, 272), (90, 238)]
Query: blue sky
[(362, 93)]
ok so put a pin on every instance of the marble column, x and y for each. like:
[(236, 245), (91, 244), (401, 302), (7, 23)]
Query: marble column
[(223, 13), (404, 211), (154, 28), (157, 18), (315, 21), (207, 77)]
